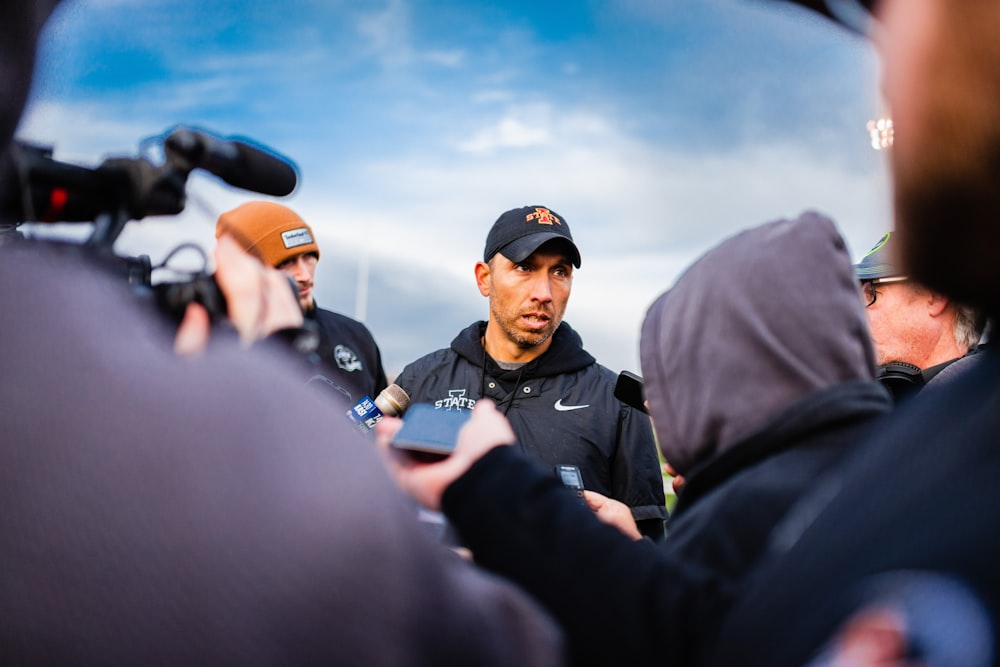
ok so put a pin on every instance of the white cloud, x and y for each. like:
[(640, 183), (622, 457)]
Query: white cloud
[(640, 214), (640, 208), (507, 133), (84, 132), (539, 124), (388, 34), (493, 96), (452, 58)]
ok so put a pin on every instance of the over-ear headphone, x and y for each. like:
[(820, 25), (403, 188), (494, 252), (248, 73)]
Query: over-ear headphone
[(901, 379)]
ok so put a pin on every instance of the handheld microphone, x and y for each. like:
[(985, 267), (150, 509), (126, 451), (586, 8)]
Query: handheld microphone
[(392, 401)]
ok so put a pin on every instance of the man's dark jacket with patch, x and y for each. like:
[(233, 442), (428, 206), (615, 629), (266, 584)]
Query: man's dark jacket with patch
[(351, 361)]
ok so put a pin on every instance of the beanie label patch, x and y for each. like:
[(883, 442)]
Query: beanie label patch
[(294, 238)]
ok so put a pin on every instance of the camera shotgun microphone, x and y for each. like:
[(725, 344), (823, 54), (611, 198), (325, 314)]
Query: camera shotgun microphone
[(392, 401), (234, 160)]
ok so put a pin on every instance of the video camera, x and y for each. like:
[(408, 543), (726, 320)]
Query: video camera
[(36, 188)]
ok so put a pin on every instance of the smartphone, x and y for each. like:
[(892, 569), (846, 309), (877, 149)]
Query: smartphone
[(628, 390), (430, 431), (571, 478)]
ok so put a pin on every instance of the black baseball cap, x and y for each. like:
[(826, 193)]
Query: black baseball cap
[(521, 231)]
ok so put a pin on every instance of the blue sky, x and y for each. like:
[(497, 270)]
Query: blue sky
[(655, 127)]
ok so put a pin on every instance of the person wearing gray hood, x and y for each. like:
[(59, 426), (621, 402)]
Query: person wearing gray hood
[(759, 374), (759, 379)]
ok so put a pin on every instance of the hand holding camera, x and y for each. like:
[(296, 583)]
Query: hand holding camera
[(259, 301)]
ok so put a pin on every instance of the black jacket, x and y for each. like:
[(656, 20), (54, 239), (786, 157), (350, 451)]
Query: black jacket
[(350, 361), (768, 471), (563, 411), (660, 603), (921, 495)]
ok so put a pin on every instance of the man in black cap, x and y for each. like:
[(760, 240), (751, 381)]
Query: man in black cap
[(559, 400), (801, 354), (917, 332)]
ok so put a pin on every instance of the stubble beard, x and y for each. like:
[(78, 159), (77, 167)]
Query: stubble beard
[(523, 340)]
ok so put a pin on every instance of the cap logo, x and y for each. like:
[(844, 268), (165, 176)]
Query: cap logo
[(544, 217), (294, 238)]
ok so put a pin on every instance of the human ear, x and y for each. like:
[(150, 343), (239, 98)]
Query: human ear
[(936, 304), (483, 278)]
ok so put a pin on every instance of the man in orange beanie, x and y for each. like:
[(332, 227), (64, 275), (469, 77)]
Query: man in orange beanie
[(277, 236)]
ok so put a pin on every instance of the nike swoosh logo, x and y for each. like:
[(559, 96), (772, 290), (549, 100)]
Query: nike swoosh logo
[(566, 408)]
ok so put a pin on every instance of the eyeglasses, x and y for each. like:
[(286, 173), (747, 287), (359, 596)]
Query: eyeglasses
[(869, 292)]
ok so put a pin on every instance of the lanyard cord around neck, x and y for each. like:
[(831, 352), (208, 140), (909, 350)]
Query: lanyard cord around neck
[(482, 382)]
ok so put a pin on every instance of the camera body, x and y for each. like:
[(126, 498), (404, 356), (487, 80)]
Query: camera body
[(34, 187), (172, 298)]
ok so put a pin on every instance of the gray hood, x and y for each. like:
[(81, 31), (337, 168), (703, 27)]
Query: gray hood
[(759, 322)]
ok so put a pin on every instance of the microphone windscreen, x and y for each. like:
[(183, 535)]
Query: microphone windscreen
[(259, 171), (393, 401)]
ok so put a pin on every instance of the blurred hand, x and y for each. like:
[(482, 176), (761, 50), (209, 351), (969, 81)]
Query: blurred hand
[(425, 480), (194, 330), (873, 637), (677, 481), (258, 298), (614, 513)]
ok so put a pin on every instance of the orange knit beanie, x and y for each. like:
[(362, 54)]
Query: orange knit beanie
[(272, 232)]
